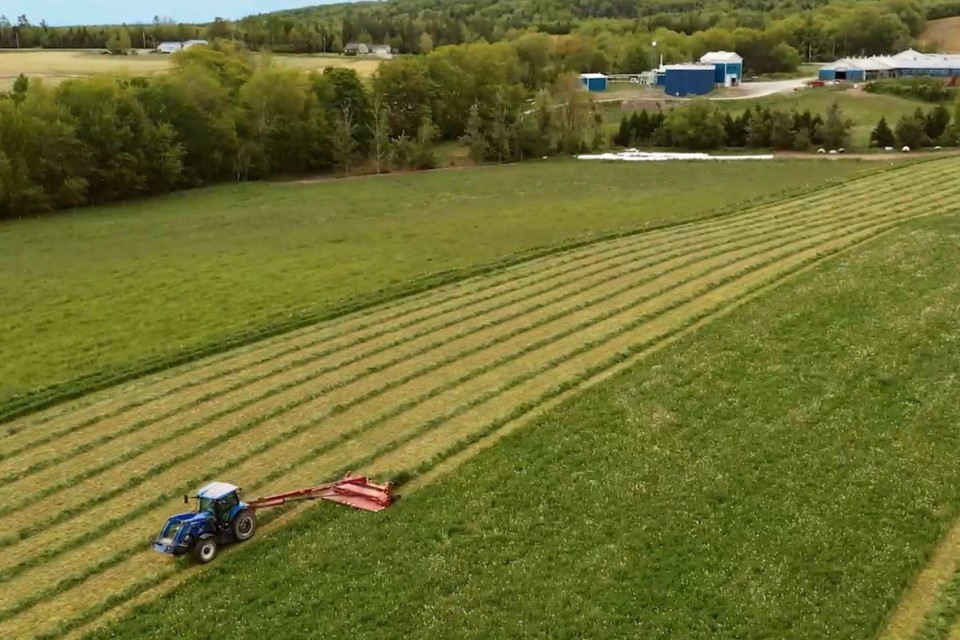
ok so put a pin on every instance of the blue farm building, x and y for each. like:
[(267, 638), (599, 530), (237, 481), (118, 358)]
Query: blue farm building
[(905, 63), (594, 81), (727, 68), (688, 79)]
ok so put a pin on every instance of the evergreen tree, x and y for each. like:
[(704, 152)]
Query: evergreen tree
[(475, 139), (882, 136), (623, 136), (937, 122), (835, 129)]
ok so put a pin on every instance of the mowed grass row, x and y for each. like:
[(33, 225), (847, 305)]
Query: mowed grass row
[(62, 440), (207, 379), (432, 413), (91, 457), (74, 492), (781, 473), (209, 269), (123, 446), (148, 393), (107, 485)]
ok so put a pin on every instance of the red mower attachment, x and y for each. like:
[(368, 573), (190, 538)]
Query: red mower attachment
[(355, 491)]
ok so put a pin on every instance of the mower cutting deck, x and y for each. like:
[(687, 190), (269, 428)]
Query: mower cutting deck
[(222, 518)]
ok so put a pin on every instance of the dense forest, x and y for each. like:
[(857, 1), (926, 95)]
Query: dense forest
[(815, 29)]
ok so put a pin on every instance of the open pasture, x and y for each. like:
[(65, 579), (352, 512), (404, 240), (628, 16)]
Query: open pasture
[(401, 390), (54, 66), (205, 267)]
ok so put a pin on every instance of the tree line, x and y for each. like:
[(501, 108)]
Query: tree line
[(620, 33), (224, 114), (937, 127), (704, 126)]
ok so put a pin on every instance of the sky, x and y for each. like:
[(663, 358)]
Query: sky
[(75, 12)]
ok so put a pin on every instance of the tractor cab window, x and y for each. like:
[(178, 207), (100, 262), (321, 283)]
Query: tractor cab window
[(230, 501), (205, 505)]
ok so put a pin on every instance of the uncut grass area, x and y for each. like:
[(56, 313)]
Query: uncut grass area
[(783, 472), (103, 289)]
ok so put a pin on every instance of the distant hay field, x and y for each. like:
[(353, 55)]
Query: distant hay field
[(55, 66), (943, 33)]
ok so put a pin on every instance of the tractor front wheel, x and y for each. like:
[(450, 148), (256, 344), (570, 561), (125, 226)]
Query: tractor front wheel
[(205, 550), (244, 525)]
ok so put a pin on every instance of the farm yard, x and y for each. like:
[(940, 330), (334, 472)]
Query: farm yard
[(768, 378), (55, 66)]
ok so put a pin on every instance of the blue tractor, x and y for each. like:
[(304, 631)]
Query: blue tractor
[(221, 518)]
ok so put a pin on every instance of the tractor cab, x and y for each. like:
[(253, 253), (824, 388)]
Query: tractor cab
[(220, 518), (220, 501)]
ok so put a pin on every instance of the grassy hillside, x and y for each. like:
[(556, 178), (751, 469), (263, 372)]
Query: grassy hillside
[(943, 34), (105, 288), (782, 473)]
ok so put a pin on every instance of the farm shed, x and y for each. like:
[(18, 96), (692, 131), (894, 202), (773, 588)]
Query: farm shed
[(904, 64), (594, 81), (727, 67), (688, 79)]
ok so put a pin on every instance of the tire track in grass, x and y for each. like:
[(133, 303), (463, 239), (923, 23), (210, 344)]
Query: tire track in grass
[(38, 507), (816, 241), (62, 447), (292, 337), (760, 276), (921, 596), (38, 539)]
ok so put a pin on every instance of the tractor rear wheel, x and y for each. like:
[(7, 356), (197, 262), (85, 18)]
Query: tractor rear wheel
[(205, 550), (244, 525)]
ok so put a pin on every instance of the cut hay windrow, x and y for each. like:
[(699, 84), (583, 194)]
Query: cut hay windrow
[(143, 392), (217, 431), (88, 461), (75, 444), (417, 402)]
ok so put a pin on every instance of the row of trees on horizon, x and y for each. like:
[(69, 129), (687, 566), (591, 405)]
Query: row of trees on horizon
[(620, 32)]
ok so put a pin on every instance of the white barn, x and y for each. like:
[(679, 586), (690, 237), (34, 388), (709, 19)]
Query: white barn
[(173, 47)]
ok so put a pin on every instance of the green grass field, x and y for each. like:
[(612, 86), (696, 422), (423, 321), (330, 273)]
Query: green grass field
[(99, 291), (782, 472)]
